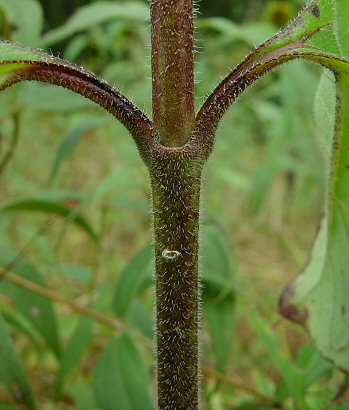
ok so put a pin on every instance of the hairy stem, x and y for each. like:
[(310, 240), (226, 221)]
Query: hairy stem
[(176, 184), (173, 70)]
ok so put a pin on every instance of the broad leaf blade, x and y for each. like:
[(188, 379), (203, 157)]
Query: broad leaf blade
[(319, 298), (12, 374)]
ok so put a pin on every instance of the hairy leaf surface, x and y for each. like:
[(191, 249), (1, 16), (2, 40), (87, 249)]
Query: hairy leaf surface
[(319, 297)]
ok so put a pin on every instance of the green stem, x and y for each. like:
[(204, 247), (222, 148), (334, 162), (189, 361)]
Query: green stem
[(176, 184)]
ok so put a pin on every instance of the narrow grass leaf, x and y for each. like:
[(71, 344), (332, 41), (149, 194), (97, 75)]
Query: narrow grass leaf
[(72, 139), (13, 319), (121, 378), (35, 308), (219, 315), (217, 269), (27, 17), (219, 302), (96, 13), (76, 347), (12, 374), (131, 280), (50, 206)]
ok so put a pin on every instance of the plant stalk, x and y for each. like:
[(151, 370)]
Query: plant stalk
[(172, 42), (176, 184)]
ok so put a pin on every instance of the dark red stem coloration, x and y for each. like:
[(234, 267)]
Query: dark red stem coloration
[(89, 86), (172, 42)]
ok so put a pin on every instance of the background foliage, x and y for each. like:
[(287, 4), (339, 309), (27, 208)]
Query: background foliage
[(75, 220)]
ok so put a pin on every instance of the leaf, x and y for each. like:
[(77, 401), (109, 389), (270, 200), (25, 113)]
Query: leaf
[(77, 345), (12, 374), (319, 297), (250, 33), (311, 36), (27, 18), (324, 111), (131, 280), (50, 99), (219, 301), (35, 308), (292, 378), (141, 317), (72, 139), (83, 395), (220, 315), (23, 326), (121, 379), (92, 14), (52, 207), (216, 266)]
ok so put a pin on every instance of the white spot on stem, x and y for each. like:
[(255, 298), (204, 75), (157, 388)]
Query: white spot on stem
[(167, 254)]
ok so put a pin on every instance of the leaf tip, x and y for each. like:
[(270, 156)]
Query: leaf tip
[(289, 310)]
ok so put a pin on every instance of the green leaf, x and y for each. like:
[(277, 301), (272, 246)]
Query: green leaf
[(324, 111), (83, 395), (250, 33), (72, 139), (12, 374), (35, 308), (77, 345), (342, 18), (46, 98), (121, 378), (141, 317), (319, 297), (219, 301), (292, 378), (27, 18), (217, 270), (219, 315), (13, 319), (90, 15), (131, 280), (52, 207)]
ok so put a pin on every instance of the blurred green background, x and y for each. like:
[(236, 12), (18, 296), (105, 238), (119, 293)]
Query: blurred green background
[(75, 217)]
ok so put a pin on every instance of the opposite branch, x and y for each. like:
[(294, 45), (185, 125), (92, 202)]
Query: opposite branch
[(19, 63), (251, 69)]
